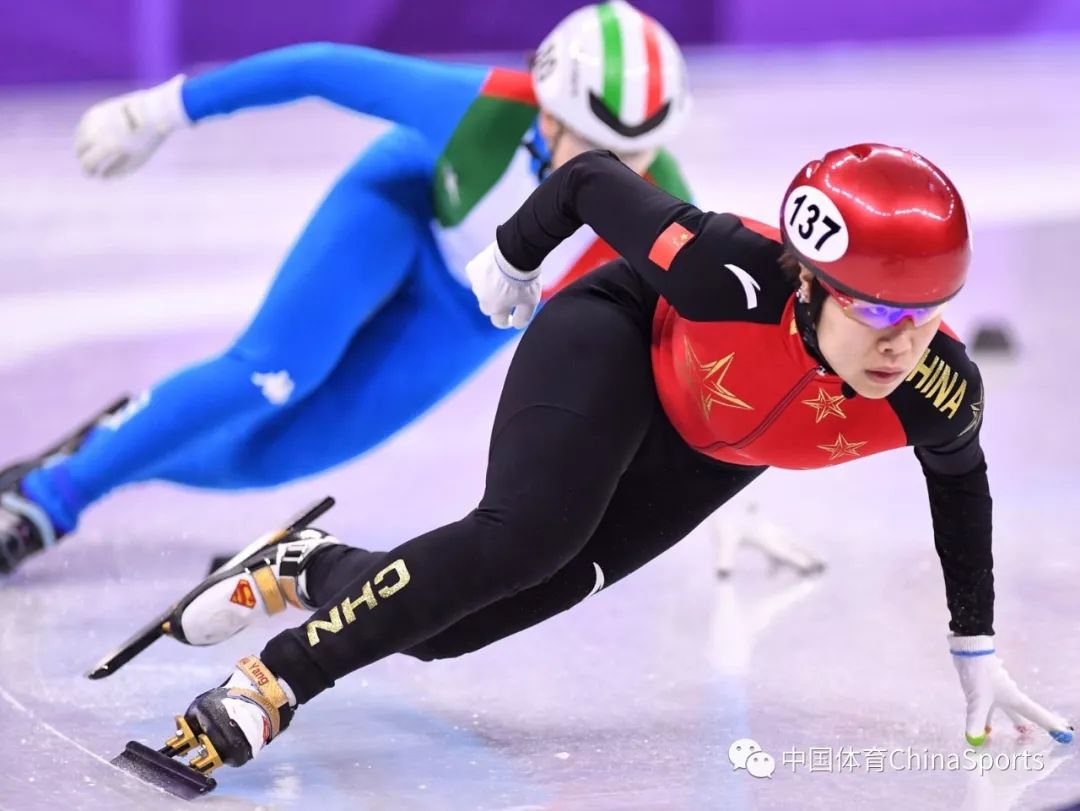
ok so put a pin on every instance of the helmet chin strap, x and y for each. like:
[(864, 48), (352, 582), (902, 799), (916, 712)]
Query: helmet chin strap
[(545, 160), (544, 156), (807, 314)]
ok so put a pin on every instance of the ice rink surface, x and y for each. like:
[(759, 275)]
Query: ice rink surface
[(631, 700)]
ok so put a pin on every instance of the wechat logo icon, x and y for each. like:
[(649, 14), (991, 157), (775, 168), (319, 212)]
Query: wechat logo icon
[(748, 754)]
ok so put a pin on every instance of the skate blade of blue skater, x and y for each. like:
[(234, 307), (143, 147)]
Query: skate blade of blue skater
[(159, 626), (69, 444)]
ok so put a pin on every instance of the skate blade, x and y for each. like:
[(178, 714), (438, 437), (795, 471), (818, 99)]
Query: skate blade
[(158, 769)]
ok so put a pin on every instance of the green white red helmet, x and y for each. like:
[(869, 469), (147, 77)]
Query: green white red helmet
[(614, 76)]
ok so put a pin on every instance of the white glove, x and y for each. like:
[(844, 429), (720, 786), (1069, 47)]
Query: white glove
[(987, 687), (510, 296), (116, 136)]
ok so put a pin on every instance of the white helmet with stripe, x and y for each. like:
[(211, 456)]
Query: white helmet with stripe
[(614, 76)]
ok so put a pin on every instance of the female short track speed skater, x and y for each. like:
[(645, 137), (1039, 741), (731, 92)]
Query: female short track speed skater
[(369, 321), (643, 397)]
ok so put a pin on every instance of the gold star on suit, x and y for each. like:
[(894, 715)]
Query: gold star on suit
[(976, 415), (710, 380), (826, 404), (842, 448)]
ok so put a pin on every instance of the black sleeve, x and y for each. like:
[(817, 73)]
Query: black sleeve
[(961, 509), (630, 213)]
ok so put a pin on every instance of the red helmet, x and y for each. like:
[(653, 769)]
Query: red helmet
[(879, 223)]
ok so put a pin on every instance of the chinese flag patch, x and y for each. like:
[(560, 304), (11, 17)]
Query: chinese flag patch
[(668, 244), (242, 594)]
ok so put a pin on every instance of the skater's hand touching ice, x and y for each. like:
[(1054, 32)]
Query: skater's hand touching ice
[(118, 135), (987, 686), (510, 296)]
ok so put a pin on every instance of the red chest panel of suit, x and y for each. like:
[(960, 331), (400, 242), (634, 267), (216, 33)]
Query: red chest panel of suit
[(750, 394)]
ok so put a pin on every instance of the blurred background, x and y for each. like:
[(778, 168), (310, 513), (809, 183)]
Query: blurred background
[(106, 287), (145, 40)]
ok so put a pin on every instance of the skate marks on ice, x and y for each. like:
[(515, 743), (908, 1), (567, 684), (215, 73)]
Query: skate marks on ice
[(67, 774), (57, 735)]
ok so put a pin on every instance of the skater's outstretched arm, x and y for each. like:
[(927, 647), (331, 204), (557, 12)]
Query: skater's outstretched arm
[(119, 134), (951, 456), (961, 508), (419, 93)]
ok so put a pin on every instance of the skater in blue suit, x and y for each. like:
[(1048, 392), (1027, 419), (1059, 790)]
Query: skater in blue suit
[(370, 320)]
